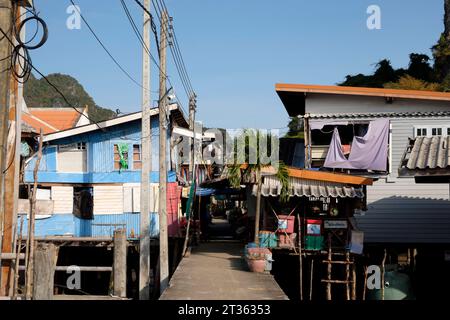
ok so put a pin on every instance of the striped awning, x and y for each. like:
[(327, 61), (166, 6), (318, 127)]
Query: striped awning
[(309, 188)]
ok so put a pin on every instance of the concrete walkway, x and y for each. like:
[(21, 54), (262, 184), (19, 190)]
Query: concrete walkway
[(217, 271)]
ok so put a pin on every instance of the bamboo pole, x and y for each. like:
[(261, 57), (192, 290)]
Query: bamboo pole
[(31, 221), (300, 258)]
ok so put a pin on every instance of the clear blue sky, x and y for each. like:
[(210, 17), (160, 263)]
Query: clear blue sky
[(236, 50)]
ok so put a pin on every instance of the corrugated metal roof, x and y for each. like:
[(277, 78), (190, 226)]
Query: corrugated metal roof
[(429, 153), (309, 188), (380, 115)]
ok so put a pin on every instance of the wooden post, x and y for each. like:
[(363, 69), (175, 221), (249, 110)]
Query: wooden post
[(382, 274), (354, 280), (144, 229), (258, 205), (31, 220), (347, 275), (5, 77), (365, 284), (18, 251), (311, 278), (329, 271), (44, 271), (300, 258), (163, 234), (120, 263)]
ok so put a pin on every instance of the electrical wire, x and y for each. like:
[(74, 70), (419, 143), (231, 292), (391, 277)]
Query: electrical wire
[(175, 57), (106, 49), (180, 73), (141, 40), (176, 45), (51, 84)]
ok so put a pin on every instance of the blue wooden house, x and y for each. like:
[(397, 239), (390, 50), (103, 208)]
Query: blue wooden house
[(89, 177)]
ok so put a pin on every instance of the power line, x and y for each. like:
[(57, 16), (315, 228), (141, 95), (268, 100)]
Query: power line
[(175, 54), (52, 85), (174, 50), (177, 47), (141, 40), (104, 47)]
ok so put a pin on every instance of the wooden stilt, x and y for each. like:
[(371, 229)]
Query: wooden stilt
[(18, 251), (44, 271), (328, 291), (365, 283), (120, 263), (300, 258), (347, 275), (354, 280), (382, 274)]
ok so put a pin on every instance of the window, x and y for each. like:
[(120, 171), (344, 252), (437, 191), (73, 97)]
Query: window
[(120, 156), (436, 132), (421, 132), (72, 157), (137, 159), (430, 131)]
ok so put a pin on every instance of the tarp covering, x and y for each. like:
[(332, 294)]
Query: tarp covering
[(368, 152), (308, 188)]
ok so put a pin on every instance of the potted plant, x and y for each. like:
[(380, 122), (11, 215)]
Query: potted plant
[(256, 262)]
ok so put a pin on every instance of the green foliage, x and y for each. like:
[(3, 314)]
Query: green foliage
[(383, 73), (409, 83), (441, 54), (295, 128), (39, 94), (419, 68), (237, 175)]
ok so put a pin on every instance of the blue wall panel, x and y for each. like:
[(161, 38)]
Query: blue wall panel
[(100, 156), (96, 177), (69, 225)]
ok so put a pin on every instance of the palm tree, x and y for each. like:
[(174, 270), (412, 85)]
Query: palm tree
[(248, 168)]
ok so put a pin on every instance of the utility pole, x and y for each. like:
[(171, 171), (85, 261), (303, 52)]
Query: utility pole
[(5, 77), (163, 236), (192, 109), (144, 240)]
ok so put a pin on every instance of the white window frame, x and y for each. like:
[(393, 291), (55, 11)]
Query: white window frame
[(445, 130)]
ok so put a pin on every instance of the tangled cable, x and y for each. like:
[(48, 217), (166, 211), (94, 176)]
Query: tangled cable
[(21, 64)]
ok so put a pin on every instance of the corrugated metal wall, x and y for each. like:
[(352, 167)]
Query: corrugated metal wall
[(400, 210)]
